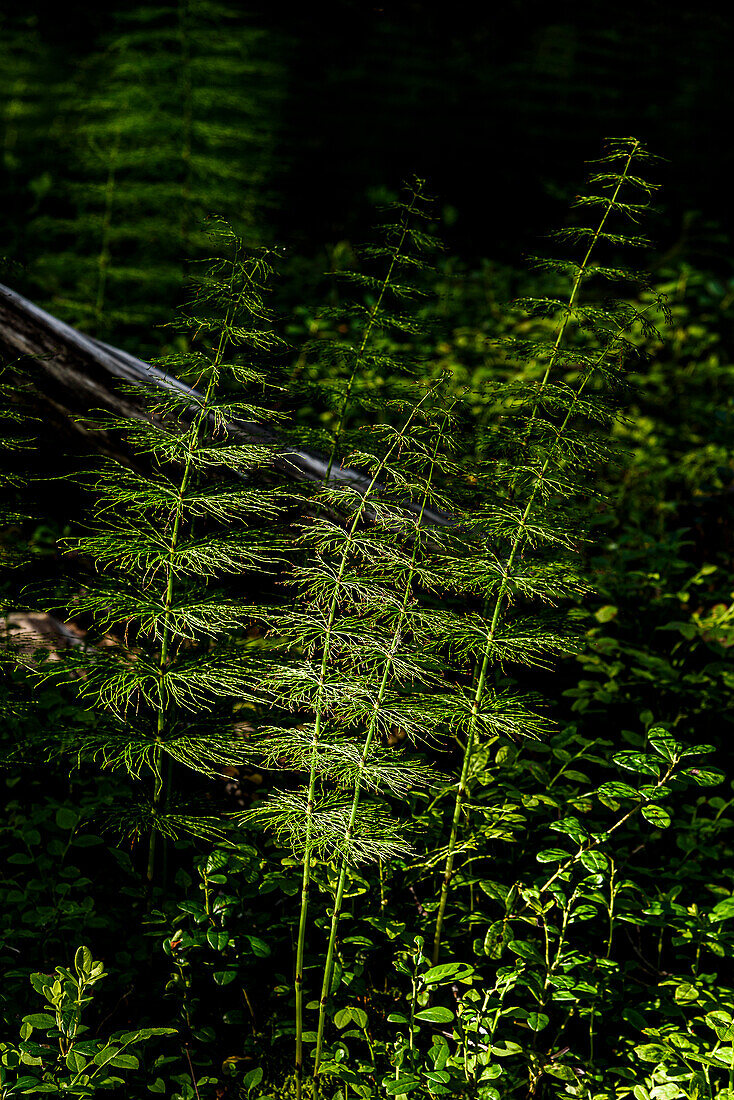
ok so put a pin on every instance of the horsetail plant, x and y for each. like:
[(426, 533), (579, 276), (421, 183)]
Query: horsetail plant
[(385, 683), (401, 245), (164, 663), (354, 586), (340, 624), (173, 120), (347, 369), (406, 580), (546, 441)]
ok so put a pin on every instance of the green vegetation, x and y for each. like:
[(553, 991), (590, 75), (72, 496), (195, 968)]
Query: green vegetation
[(405, 773)]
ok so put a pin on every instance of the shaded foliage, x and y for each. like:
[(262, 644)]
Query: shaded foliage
[(323, 662)]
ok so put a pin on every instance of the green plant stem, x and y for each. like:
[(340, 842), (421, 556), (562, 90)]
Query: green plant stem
[(339, 896), (374, 311), (578, 278), (514, 550), (313, 769), (484, 669), (576, 286), (161, 792), (369, 738)]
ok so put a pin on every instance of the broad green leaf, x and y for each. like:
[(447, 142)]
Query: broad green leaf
[(252, 1079), (351, 1014), (259, 947), (723, 910), (496, 890), (83, 961), (400, 1087), (641, 762), (75, 1061), (651, 1052), (143, 1033), (437, 1015), (505, 1049), (662, 743), (497, 937), (563, 1073), (66, 818), (446, 972), (30, 1059), (571, 826), (194, 909), (224, 977), (106, 1055), (686, 993), (125, 1061), (552, 855), (87, 840), (595, 862), (669, 1091), (523, 949), (656, 815), (537, 1021), (722, 1024), (40, 1019), (704, 777)]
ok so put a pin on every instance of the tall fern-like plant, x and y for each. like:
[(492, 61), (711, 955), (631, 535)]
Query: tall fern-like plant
[(27, 65), (171, 120), (367, 635), (549, 435), (351, 585), (348, 373), (165, 660)]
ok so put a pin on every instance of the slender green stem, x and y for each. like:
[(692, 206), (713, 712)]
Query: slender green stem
[(373, 314), (313, 767), (580, 273), (517, 543), (356, 796), (463, 785), (339, 896), (161, 791), (576, 286)]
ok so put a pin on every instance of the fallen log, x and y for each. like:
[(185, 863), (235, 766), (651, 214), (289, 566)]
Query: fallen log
[(73, 374)]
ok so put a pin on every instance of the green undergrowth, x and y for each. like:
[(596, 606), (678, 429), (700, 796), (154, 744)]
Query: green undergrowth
[(426, 808)]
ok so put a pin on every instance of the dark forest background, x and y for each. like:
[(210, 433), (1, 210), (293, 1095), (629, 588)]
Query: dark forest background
[(123, 125), (498, 110)]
